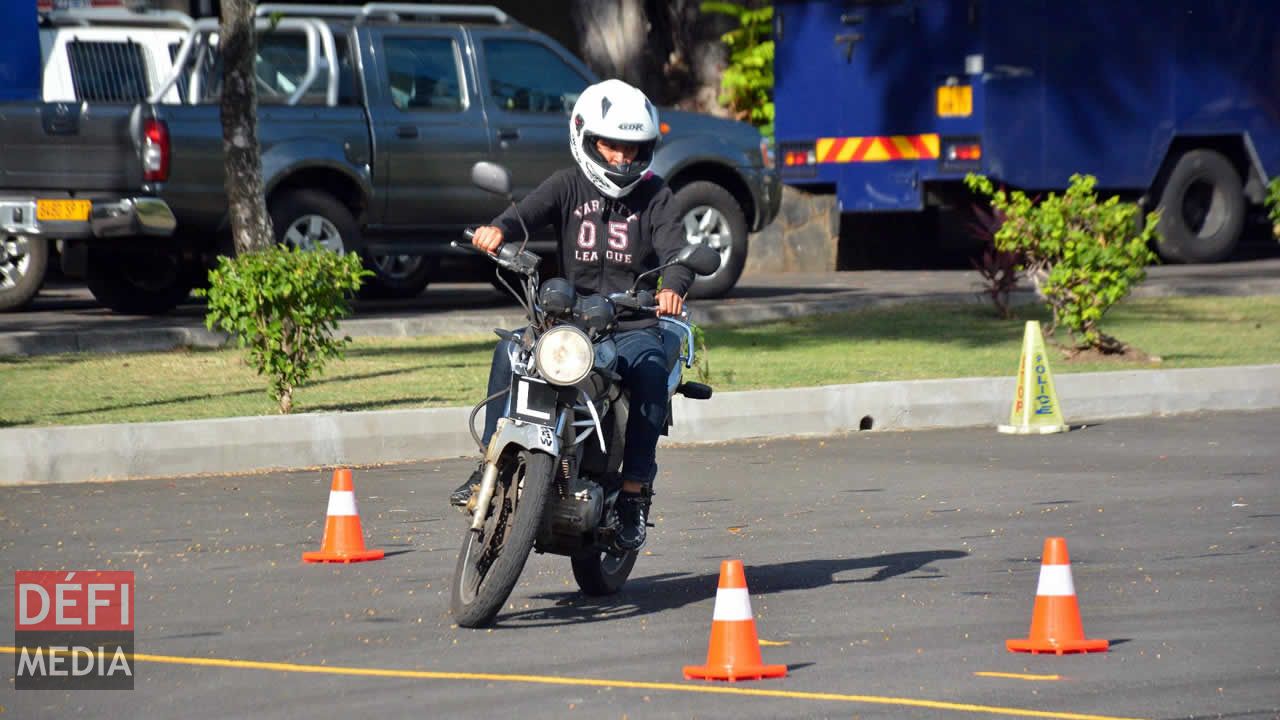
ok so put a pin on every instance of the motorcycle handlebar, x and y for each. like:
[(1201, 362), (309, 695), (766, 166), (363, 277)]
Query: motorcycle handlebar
[(468, 233), (508, 256)]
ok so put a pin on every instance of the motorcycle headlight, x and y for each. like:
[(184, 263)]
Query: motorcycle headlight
[(563, 355)]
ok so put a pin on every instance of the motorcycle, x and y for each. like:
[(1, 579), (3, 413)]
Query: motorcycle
[(550, 477)]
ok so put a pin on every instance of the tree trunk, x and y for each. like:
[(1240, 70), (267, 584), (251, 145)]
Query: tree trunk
[(670, 49), (614, 35), (686, 43), (242, 160)]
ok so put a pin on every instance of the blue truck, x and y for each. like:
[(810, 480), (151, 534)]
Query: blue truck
[(20, 52), (1174, 104)]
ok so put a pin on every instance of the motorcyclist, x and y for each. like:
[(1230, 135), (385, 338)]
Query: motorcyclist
[(614, 220)]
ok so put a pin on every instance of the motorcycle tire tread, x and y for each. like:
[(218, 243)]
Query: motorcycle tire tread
[(502, 577)]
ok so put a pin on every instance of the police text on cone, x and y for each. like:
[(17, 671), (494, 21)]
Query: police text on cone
[(1035, 408)]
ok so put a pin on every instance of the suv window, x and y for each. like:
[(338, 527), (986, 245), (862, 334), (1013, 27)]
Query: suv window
[(423, 73), (528, 76), (107, 71)]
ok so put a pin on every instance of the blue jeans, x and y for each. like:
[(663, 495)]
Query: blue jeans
[(644, 362)]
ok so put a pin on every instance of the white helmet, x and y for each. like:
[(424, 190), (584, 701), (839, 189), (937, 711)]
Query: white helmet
[(615, 111)]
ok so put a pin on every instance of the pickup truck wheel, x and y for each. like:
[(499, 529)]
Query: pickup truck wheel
[(398, 276), (137, 283), (310, 219), (1202, 209), (23, 262), (712, 217)]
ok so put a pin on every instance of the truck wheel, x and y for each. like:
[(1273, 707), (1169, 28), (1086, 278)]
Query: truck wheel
[(23, 262), (398, 276), (310, 219), (712, 217), (1202, 209), (136, 283)]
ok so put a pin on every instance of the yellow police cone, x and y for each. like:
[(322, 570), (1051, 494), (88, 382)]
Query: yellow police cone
[(1035, 404)]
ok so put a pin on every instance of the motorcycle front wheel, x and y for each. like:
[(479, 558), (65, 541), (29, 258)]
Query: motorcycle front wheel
[(490, 561), (601, 573)]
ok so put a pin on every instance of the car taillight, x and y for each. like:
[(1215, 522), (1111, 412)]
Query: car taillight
[(155, 150), (794, 155), (968, 151)]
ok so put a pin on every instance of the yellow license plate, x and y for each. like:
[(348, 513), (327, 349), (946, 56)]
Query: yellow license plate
[(955, 101), (63, 209)]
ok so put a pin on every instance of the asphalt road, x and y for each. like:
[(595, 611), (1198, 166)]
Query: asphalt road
[(885, 569)]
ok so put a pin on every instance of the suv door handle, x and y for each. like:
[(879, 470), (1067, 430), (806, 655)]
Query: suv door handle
[(407, 132), (508, 134)]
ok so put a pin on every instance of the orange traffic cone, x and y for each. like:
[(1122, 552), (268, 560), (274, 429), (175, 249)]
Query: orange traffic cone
[(343, 539), (1055, 621), (734, 650)]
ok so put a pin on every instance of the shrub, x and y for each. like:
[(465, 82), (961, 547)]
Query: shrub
[(1083, 255), (747, 83), (1273, 206), (283, 306), (998, 268)]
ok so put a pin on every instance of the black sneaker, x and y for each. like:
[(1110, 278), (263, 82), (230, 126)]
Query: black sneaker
[(633, 512), (462, 494)]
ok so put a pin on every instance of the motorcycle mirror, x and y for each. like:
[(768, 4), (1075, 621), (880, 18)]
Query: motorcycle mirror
[(491, 177), (699, 258)]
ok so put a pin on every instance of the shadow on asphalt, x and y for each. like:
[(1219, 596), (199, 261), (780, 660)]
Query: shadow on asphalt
[(658, 593)]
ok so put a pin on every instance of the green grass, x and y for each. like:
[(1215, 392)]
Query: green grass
[(903, 343)]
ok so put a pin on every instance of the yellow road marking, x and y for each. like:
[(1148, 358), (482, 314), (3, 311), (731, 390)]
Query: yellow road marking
[(593, 682), (774, 643), (1017, 676)]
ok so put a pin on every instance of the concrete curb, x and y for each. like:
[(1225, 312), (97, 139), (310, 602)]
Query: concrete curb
[(249, 444)]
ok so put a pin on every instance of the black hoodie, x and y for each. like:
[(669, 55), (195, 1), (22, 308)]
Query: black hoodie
[(605, 243)]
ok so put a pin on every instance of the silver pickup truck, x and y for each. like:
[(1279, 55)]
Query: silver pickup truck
[(369, 120)]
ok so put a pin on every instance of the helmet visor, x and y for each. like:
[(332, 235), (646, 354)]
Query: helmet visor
[(623, 161)]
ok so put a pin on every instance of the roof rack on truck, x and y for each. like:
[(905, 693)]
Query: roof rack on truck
[(392, 12), (117, 17), (321, 56)]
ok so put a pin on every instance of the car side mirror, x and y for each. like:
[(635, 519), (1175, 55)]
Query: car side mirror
[(491, 177), (699, 258)]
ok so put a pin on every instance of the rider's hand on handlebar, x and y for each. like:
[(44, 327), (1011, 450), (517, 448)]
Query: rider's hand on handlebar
[(488, 239), (670, 302)]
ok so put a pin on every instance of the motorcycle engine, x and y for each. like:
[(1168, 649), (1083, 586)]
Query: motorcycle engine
[(577, 513)]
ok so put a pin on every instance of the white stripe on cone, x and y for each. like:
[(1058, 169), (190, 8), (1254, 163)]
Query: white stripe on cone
[(342, 503), (732, 604), (1055, 580)]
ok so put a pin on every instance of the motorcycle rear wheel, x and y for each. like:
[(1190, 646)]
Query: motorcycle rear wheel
[(490, 561), (600, 573)]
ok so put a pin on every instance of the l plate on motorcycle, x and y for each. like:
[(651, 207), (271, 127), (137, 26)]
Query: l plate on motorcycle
[(535, 400)]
